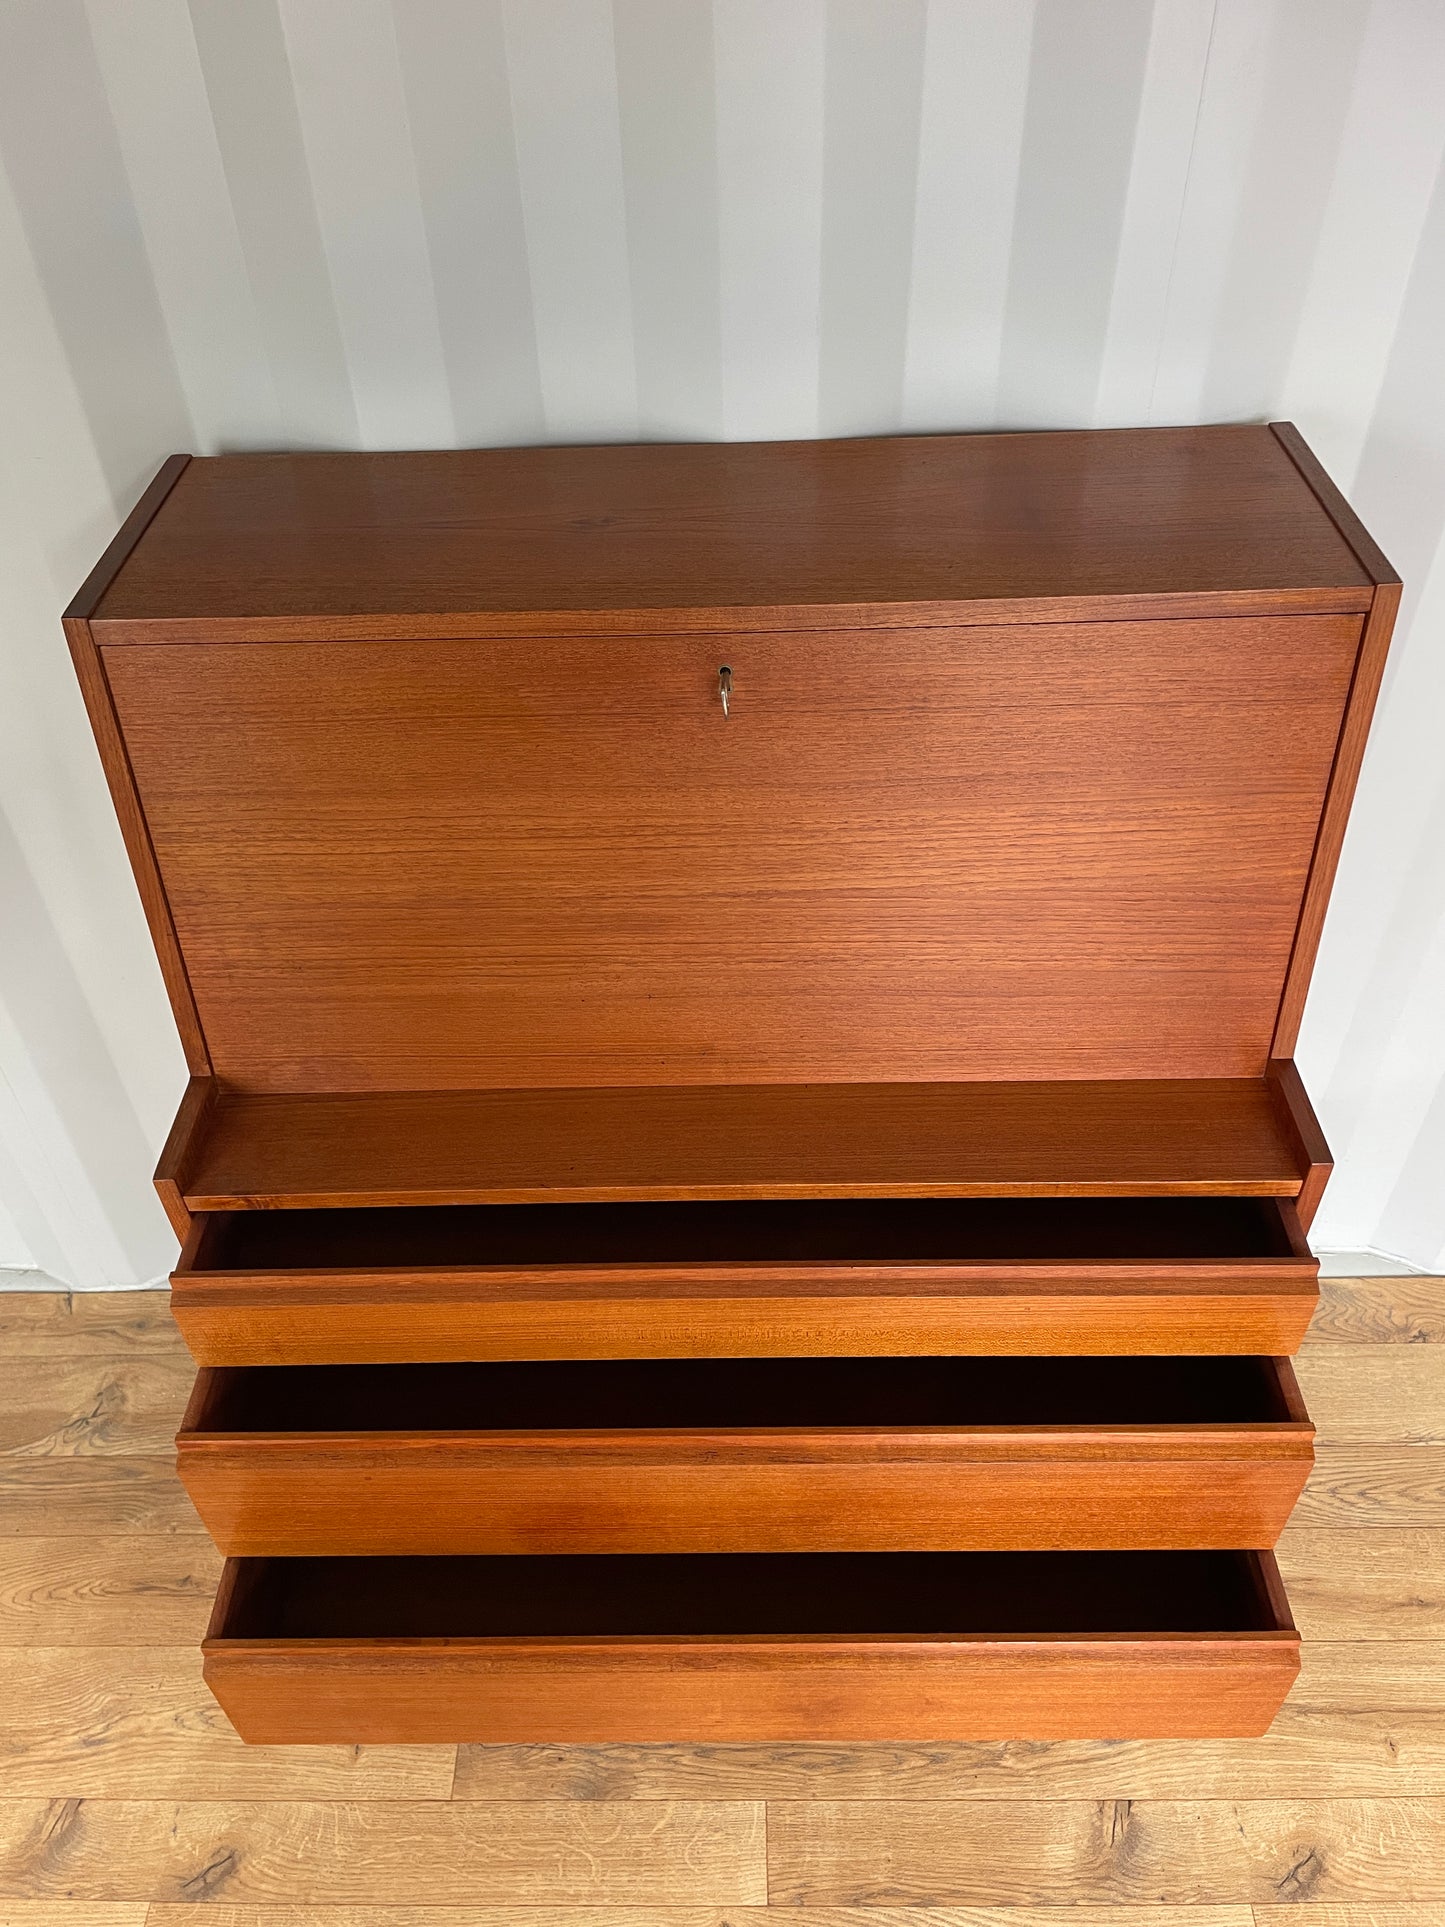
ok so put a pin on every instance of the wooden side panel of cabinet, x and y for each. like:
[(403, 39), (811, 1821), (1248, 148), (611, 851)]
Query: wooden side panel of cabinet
[(1022, 852), (1379, 626), (119, 776)]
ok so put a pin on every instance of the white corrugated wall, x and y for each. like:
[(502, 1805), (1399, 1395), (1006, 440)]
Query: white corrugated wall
[(390, 223)]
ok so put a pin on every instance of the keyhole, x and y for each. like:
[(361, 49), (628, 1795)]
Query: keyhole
[(725, 686)]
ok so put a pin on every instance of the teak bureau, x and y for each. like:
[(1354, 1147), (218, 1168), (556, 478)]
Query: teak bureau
[(742, 1176)]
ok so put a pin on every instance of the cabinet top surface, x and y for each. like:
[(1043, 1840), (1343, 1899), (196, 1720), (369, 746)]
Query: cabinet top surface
[(922, 520)]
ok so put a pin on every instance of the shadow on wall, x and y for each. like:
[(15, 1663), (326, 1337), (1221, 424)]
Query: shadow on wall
[(67, 1126)]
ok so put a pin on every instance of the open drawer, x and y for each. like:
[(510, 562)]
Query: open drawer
[(735, 1455), (820, 1646), (746, 1278)]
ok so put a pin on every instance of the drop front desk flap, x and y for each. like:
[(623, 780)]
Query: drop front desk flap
[(850, 1122)]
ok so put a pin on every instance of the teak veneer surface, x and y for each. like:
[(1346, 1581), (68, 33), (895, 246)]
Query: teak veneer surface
[(741, 1647), (124, 1781), (931, 1001), (1014, 1275), (1208, 1136), (390, 1317), (1071, 850), (749, 1455), (891, 525)]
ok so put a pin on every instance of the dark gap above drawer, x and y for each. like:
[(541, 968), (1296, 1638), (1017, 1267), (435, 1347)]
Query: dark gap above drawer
[(740, 1593), (730, 1393), (922, 1230)]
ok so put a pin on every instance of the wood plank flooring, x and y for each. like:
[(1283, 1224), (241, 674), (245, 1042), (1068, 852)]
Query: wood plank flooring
[(126, 1801)]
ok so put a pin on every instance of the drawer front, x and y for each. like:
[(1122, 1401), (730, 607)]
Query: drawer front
[(531, 1692), (423, 1497), (386, 1317), (723, 1686), (746, 1279), (1069, 1453)]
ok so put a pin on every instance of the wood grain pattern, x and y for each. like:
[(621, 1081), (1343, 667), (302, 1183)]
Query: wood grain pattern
[(681, 1915), (1381, 1584), (91, 1496), (1363, 1722), (1373, 1311), (1395, 1675), (116, 1724), (75, 1324), (795, 1650), (116, 764), (1355, 729), (72, 1913), (762, 1280), (884, 1853), (1391, 1915), (1375, 1485), (728, 530), (1310, 1752), (1367, 552), (837, 883), (1310, 1147), (345, 1853), (179, 1150), (444, 1498), (1364, 1396), (120, 778), (72, 1407), (778, 1480), (1000, 881), (147, 1589), (87, 597), (1090, 1139), (314, 1693), (1364, 690), (320, 1318)]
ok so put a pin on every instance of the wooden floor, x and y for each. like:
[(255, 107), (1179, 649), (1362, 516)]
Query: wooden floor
[(126, 1800)]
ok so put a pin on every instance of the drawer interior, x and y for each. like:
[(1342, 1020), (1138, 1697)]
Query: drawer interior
[(744, 1392), (777, 1231), (710, 1594)]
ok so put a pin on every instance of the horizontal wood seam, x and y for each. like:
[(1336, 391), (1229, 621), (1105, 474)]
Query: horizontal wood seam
[(1217, 605)]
